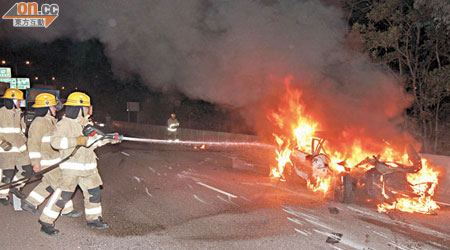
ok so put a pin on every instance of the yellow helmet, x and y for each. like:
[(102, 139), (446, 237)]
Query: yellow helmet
[(13, 94), (44, 100), (78, 99)]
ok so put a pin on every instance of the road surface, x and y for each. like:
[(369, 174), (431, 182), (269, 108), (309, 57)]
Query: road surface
[(172, 197)]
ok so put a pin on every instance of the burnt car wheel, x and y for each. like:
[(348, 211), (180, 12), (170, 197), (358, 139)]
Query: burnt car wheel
[(345, 189)]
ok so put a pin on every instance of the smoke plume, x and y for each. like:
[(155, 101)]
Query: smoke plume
[(232, 53)]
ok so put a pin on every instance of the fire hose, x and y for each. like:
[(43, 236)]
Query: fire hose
[(87, 131), (92, 131)]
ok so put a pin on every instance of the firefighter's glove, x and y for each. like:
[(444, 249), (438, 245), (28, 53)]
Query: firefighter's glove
[(37, 168), (82, 140), (5, 145), (112, 141), (116, 138)]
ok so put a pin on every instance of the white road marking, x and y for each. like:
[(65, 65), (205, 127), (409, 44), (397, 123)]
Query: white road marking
[(295, 221), (125, 153), (414, 227), (319, 224), (202, 201), (190, 186), (228, 201), (154, 171), (308, 196), (380, 234), (436, 244), (148, 193), (311, 220), (137, 179), (300, 231), (298, 213), (217, 190), (398, 246)]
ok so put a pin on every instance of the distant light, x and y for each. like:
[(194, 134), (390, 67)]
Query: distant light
[(27, 62), (53, 78), (62, 87), (3, 62), (76, 88), (36, 78)]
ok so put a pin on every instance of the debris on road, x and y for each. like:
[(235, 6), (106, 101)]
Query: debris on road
[(148, 193), (333, 210), (334, 238), (137, 179)]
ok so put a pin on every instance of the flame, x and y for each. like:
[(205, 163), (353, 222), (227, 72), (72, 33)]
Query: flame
[(283, 158), (296, 129), (322, 185), (423, 184)]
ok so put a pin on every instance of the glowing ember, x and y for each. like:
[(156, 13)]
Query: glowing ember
[(296, 130)]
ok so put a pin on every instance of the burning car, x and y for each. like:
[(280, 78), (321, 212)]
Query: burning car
[(394, 186), (341, 164)]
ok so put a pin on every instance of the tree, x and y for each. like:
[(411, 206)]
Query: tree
[(405, 37)]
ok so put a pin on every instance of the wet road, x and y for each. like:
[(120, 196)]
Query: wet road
[(165, 197)]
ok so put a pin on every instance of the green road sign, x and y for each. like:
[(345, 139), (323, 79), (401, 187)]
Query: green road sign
[(23, 83), (5, 72)]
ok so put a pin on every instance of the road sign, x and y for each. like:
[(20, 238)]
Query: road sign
[(5, 72), (12, 82), (132, 106), (23, 83), (18, 83)]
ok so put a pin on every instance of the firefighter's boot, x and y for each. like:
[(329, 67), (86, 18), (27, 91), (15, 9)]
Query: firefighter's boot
[(29, 207), (98, 223), (48, 229)]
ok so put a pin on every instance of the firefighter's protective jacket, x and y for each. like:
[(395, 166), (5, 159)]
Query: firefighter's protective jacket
[(84, 162), (172, 124), (40, 150), (12, 130)]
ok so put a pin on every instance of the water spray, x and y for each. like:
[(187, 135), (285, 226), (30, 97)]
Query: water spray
[(198, 143)]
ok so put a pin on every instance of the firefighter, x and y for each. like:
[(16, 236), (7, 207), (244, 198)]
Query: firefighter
[(80, 169), (172, 127), (42, 155), (12, 140)]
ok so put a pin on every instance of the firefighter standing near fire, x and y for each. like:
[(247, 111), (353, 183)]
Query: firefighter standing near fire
[(80, 169), (172, 127), (12, 140), (42, 155)]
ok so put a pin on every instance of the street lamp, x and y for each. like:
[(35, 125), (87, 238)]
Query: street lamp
[(53, 78), (36, 78), (27, 62), (3, 62)]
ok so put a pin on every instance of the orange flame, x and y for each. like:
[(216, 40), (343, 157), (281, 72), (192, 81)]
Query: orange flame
[(296, 131)]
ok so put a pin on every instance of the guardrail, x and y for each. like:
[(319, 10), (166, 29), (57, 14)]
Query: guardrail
[(160, 132)]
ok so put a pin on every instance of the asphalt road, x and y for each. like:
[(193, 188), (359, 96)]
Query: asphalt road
[(167, 197)]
